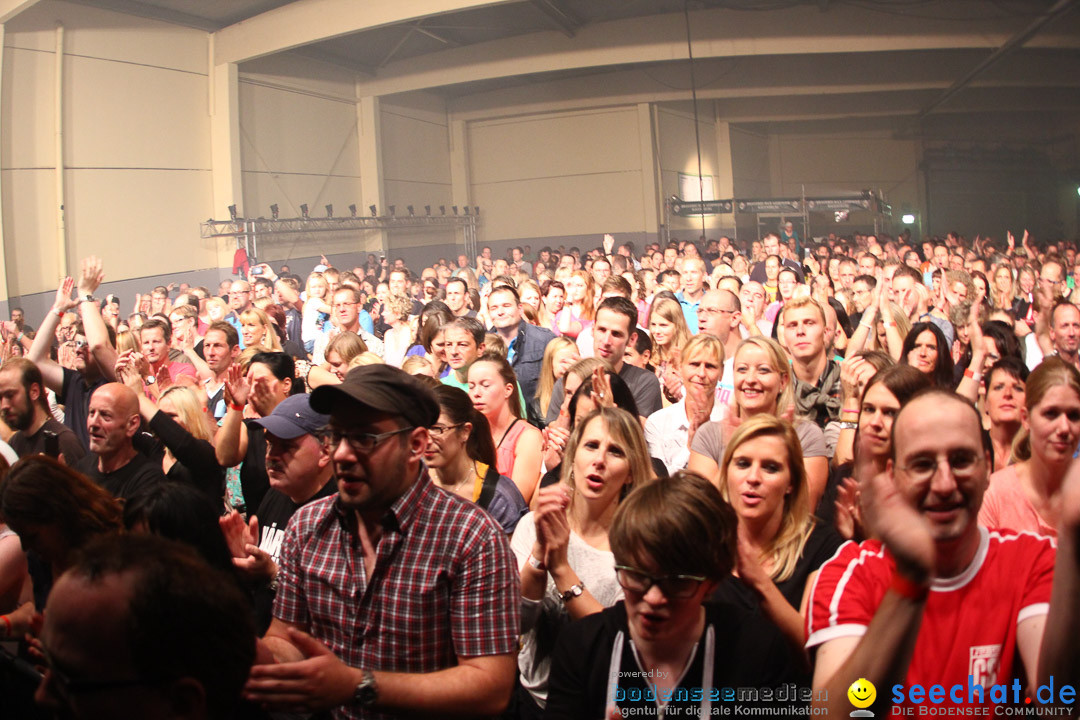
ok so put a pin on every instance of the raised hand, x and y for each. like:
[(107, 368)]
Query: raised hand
[(237, 386), (92, 276), (552, 525), (64, 302), (601, 392)]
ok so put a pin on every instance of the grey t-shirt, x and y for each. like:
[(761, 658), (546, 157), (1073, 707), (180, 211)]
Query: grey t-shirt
[(644, 386), (709, 440)]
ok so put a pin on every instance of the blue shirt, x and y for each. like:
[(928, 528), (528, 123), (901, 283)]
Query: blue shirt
[(689, 311)]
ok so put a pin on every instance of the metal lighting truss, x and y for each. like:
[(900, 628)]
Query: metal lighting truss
[(249, 232)]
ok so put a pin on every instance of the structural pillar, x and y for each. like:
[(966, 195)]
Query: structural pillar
[(372, 183)]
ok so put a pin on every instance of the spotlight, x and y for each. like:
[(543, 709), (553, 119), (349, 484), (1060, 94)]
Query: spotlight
[(374, 213), (454, 208), (330, 210), (410, 209), (352, 209), (476, 210), (232, 212), (908, 219), (392, 207), (466, 209), (427, 209), (841, 216), (442, 209), (303, 211), (274, 211)]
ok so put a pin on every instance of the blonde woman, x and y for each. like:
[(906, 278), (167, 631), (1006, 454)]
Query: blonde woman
[(216, 309), (580, 309), (780, 548), (883, 325), (398, 337), (257, 331), (1003, 290), (668, 332), (763, 384), (559, 355), (567, 569), (316, 310)]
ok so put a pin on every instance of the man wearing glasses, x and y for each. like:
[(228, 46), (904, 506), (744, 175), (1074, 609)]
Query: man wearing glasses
[(934, 599), (239, 301), (410, 594)]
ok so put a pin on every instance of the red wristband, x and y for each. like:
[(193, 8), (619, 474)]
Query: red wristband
[(237, 408), (59, 313), (7, 625), (909, 589)]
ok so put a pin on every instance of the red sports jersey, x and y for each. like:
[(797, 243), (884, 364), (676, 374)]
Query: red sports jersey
[(969, 622)]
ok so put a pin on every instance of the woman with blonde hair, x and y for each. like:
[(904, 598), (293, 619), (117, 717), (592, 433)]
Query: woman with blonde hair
[(580, 309), (1003, 290), (257, 331), (764, 385), (780, 547), (1023, 496), (398, 336), (529, 292), (567, 569), (316, 310), (559, 355), (216, 310), (668, 331)]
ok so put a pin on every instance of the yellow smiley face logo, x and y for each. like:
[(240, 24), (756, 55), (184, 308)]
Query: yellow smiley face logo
[(862, 693)]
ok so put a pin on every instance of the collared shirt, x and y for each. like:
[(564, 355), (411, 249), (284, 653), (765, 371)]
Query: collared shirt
[(445, 585), (689, 310), (667, 432)]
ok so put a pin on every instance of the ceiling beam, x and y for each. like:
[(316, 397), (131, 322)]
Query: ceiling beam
[(310, 21), (558, 15), (719, 33), (10, 8)]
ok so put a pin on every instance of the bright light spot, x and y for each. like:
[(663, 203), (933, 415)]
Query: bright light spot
[(908, 219)]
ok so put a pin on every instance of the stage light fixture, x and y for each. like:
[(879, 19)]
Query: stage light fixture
[(410, 209), (303, 211), (392, 210), (352, 209), (232, 212), (374, 213), (476, 210), (908, 219), (466, 208), (427, 209), (330, 211), (274, 211), (442, 209), (454, 208)]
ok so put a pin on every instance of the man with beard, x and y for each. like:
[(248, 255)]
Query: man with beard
[(24, 409), (389, 576)]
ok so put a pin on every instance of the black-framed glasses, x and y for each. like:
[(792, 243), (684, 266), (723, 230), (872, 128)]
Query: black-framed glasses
[(440, 430), (361, 442), (673, 586)]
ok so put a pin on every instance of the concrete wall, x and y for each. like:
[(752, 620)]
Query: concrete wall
[(135, 149)]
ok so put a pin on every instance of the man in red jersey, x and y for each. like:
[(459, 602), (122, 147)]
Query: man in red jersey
[(937, 600)]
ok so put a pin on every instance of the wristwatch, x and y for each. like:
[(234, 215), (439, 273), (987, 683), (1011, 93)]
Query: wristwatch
[(150, 379), (87, 298), (572, 592), (366, 693)]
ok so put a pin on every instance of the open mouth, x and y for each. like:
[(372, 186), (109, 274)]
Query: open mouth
[(751, 499), (594, 482)]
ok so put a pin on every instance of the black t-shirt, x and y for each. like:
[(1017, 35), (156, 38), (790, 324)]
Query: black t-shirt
[(70, 447), (75, 397), (253, 480), (126, 481), (820, 546)]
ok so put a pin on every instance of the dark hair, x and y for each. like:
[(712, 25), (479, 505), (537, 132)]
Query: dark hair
[(162, 325), (681, 524), (903, 381), (39, 490), (1011, 366), (282, 366), (506, 288), (623, 306), (458, 279), (943, 369), (870, 280), (1004, 338), (618, 284), (232, 338), (506, 372), (908, 271), (620, 394), (470, 325), (29, 374), (459, 408), (549, 284), (180, 603), (642, 343), (178, 511)]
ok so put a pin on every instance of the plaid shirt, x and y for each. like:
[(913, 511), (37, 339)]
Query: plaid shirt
[(445, 584)]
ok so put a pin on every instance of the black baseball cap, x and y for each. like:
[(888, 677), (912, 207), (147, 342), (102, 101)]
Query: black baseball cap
[(383, 388)]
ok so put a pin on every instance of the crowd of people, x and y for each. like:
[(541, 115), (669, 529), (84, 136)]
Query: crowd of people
[(565, 484)]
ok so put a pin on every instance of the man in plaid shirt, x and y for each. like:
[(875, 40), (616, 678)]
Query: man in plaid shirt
[(394, 597)]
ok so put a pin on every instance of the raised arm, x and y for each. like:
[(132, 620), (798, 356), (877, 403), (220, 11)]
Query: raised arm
[(51, 371), (231, 439), (97, 336)]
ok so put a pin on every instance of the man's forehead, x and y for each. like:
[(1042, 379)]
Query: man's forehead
[(936, 421)]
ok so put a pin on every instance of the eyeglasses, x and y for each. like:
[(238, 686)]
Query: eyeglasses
[(361, 442), (673, 586), (440, 430), (67, 688), (713, 311), (962, 464)]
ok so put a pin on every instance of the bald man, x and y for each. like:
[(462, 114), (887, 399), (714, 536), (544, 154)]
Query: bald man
[(719, 314), (113, 461)]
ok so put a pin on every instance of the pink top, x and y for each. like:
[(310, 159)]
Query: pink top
[(505, 452), (1006, 505)]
